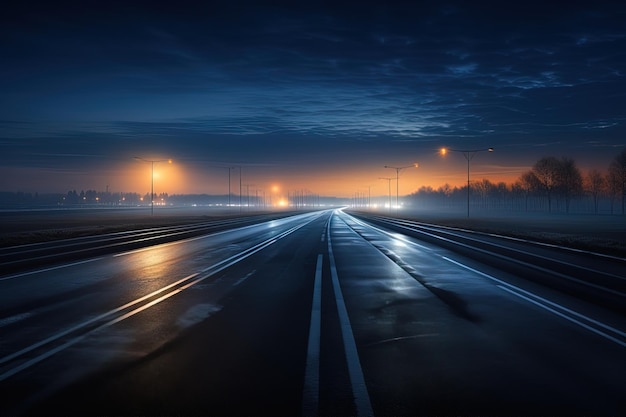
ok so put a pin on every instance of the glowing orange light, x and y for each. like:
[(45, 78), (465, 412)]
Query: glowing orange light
[(443, 151), (282, 202)]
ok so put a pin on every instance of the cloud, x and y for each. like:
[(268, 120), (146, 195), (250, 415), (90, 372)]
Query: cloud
[(253, 82)]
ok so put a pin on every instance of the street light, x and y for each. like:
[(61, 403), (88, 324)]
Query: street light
[(469, 155), (239, 188), (398, 169), (152, 162), (389, 185)]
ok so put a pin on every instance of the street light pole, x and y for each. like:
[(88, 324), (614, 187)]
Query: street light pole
[(229, 169), (152, 189), (239, 188), (398, 169), (152, 179), (469, 155)]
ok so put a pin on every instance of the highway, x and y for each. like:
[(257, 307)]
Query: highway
[(318, 313)]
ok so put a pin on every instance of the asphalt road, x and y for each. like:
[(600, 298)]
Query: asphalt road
[(317, 314)]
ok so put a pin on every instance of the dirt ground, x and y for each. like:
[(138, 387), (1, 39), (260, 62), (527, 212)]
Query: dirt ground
[(603, 233)]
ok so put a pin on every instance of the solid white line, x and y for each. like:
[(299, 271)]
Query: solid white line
[(565, 309), (518, 261), (90, 321), (77, 339), (191, 239), (395, 236), (222, 265), (566, 317), (517, 239), (516, 291), (137, 250), (357, 380), (14, 319), (49, 269), (310, 393)]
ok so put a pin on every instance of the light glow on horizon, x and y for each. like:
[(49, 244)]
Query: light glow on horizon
[(184, 177)]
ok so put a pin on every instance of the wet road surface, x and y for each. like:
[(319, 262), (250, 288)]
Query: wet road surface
[(321, 313)]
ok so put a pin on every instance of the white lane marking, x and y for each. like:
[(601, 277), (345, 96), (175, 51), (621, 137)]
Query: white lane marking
[(507, 258), (218, 267), (191, 239), (526, 295), (49, 353), (221, 232), (581, 316), (222, 265), (90, 321), (152, 247), (310, 393), (14, 319), (518, 261), (242, 279), (517, 239), (357, 380), (395, 236), (565, 316), (228, 262), (49, 269)]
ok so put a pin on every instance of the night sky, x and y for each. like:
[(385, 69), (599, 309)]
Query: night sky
[(318, 96)]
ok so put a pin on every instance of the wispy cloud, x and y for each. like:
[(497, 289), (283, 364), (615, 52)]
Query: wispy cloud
[(244, 82)]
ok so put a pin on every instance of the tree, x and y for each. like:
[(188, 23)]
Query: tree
[(617, 176), (546, 170), (569, 180), (483, 189), (528, 183), (72, 197), (595, 184), (500, 192)]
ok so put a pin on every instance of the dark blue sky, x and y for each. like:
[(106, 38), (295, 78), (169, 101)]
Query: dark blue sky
[(320, 95)]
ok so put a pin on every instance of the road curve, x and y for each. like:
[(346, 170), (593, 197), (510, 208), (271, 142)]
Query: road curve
[(321, 313)]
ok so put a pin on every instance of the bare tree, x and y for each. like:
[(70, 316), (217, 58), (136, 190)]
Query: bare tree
[(613, 187), (482, 189), (500, 193), (595, 184), (569, 180), (546, 170), (528, 183), (617, 176)]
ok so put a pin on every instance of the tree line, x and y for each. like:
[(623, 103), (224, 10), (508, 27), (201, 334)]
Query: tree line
[(74, 198), (552, 184)]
